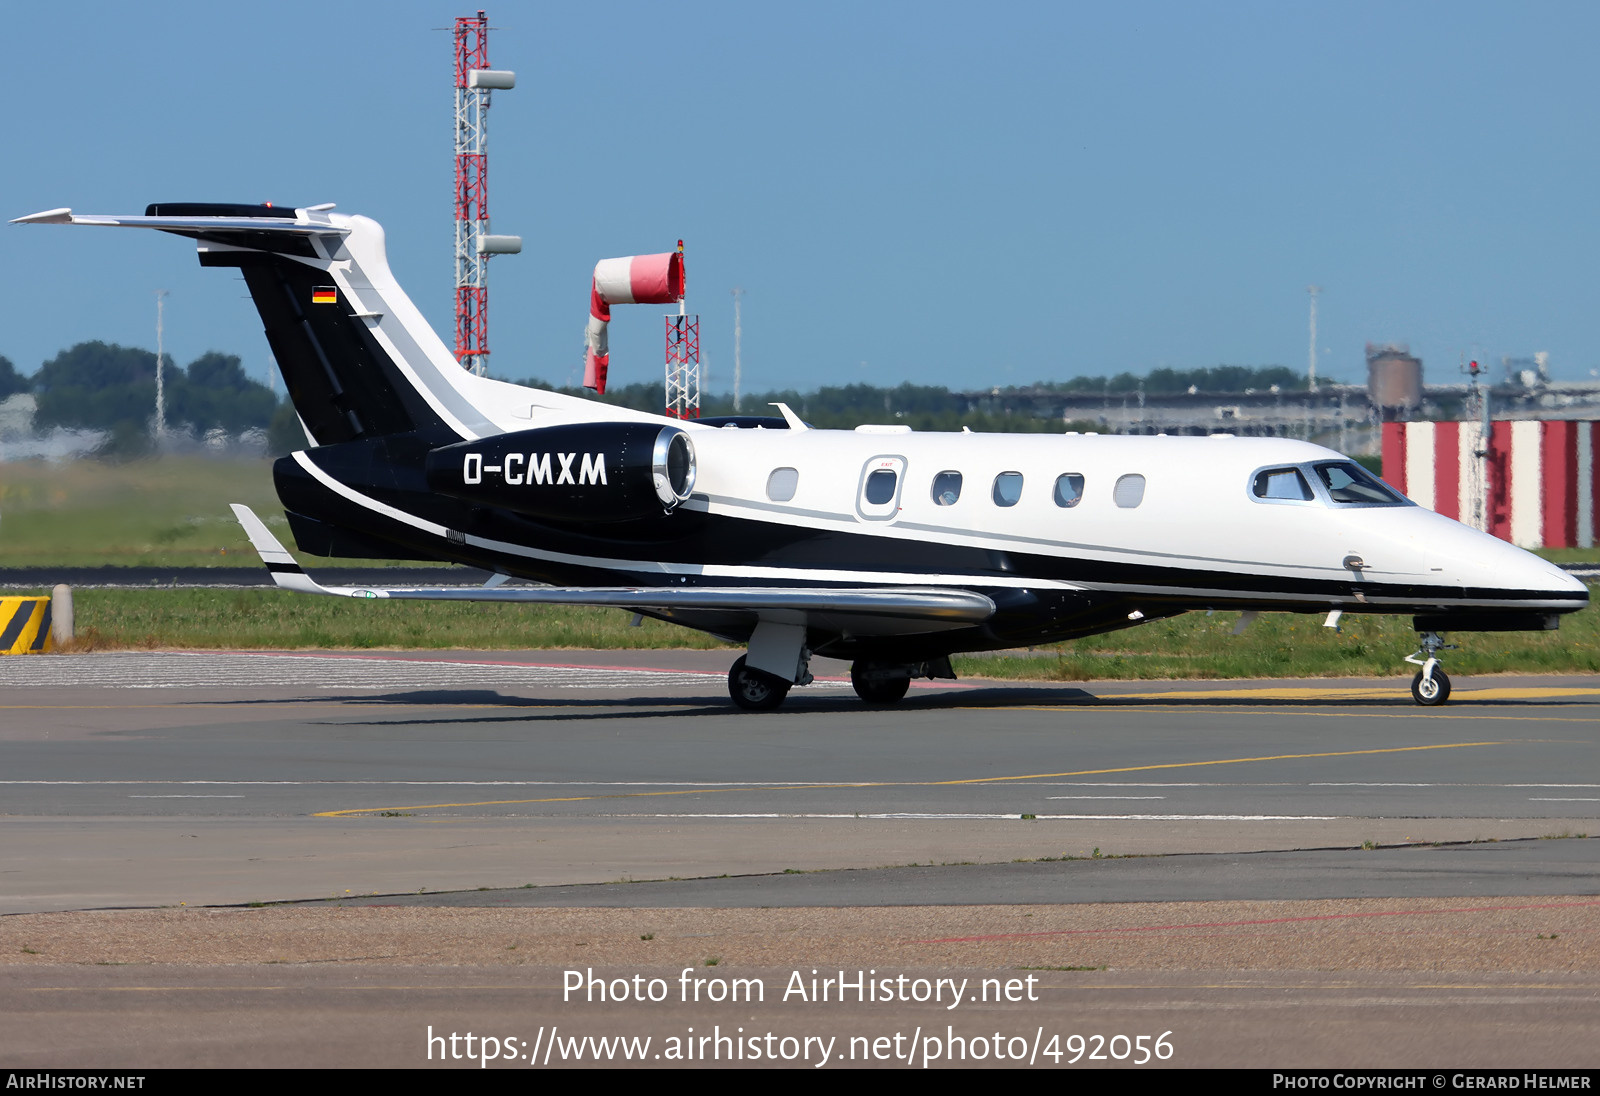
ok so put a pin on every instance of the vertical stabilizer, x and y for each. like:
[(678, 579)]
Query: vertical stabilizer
[(358, 359)]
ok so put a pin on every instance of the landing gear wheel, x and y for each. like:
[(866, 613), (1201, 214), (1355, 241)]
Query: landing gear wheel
[(755, 690), (873, 685), (1432, 690)]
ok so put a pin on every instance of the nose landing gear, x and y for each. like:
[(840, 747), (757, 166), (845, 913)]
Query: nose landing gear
[(755, 690), (778, 659), (1431, 686)]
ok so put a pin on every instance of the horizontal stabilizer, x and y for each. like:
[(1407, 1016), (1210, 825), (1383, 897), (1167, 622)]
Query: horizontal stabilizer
[(284, 222), (918, 603)]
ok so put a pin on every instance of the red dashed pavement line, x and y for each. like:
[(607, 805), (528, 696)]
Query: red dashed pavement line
[(1261, 921)]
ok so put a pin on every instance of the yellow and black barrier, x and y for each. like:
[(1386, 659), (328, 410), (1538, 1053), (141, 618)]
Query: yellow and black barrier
[(24, 625)]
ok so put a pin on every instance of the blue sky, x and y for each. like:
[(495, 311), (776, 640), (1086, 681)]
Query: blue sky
[(950, 194)]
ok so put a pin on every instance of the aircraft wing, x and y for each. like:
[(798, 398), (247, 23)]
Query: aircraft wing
[(935, 605)]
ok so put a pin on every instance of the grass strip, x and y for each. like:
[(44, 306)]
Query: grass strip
[(168, 512), (1292, 645), (274, 619), (1196, 645)]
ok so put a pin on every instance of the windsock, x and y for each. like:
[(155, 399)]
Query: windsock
[(632, 279)]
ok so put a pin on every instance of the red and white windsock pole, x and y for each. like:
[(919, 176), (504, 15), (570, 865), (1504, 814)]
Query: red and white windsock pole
[(683, 362), (631, 279)]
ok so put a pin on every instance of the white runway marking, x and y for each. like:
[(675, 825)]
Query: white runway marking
[(1192, 817), (945, 817), (1282, 784), (708, 784), (183, 670), (1083, 797)]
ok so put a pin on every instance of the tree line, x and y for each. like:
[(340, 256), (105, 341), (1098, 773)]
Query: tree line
[(103, 386), (1217, 379), (106, 387), (838, 407), (112, 389), (932, 408)]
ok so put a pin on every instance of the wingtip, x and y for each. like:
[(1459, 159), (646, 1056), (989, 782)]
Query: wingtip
[(62, 216)]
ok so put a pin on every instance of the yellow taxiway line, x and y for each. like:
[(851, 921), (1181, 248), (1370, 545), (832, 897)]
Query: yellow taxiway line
[(1537, 692), (350, 811)]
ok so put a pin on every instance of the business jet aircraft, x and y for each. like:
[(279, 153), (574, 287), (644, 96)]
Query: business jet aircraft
[(879, 545)]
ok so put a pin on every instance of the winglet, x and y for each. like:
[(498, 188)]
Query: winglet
[(284, 570)]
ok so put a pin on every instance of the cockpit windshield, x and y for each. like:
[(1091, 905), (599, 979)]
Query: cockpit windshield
[(1348, 482), (1281, 483)]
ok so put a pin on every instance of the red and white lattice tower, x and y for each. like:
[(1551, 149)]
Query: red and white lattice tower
[(474, 81), (683, 361)]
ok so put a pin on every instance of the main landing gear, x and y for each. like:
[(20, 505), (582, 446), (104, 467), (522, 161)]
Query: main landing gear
[(875, 682), (880, 682), (1431, 686)]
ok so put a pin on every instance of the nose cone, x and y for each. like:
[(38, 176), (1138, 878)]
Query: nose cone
[(1542, 575), (1500, 571)]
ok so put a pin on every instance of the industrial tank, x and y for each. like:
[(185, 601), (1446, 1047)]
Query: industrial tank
[(1394, 378)]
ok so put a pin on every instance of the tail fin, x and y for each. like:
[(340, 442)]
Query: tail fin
[(358, 359)]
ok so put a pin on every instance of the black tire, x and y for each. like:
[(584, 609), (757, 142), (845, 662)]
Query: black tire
[(755, 690), (1432, 692), (876, 687)]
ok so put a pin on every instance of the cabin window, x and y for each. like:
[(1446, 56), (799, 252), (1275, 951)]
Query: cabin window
[(946, 488), (1129, 491), (781, 485), (1281, 483), (1007, 488), (1069, 489), (1348, 482), (880, 486)]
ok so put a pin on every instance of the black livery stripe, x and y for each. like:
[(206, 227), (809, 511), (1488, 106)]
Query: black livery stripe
[(342, 382), (218, 209), (385, 471)]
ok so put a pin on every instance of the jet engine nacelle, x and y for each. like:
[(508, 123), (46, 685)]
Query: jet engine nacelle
[(583, 472)]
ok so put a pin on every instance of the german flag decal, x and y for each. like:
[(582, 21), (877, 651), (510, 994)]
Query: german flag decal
[(325, 294)]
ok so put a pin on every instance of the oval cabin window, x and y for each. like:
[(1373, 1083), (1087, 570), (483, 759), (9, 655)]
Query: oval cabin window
[(1129, 491), (1069, 489), (782, 484), (946, 488), (1007, 488)]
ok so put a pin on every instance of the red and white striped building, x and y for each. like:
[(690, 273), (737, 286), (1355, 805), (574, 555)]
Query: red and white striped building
[(1534, 485)]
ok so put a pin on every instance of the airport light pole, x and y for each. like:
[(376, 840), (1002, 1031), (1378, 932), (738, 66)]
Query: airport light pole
[(161, 403)]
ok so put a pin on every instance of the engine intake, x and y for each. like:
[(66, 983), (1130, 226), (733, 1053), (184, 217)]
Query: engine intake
[(583, 472)]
